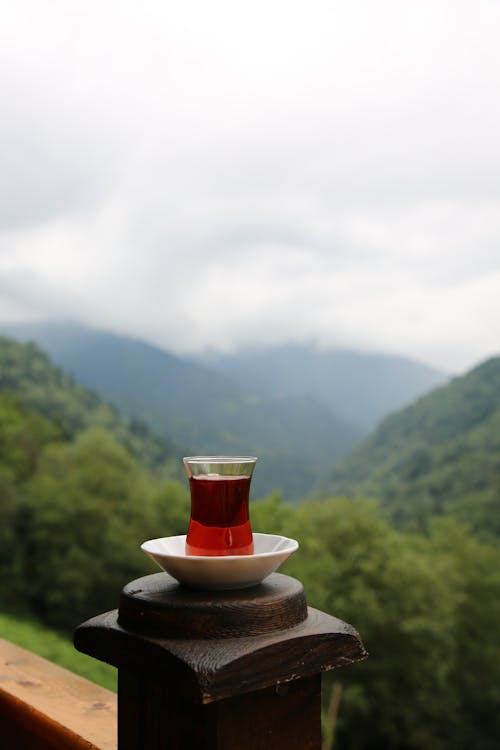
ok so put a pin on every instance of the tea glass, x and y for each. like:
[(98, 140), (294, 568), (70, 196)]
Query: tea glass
[(220, 489)]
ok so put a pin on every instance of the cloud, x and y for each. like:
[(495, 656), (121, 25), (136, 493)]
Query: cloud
[(218, 175)]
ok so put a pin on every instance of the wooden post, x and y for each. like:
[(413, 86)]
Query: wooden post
[(218, 670)]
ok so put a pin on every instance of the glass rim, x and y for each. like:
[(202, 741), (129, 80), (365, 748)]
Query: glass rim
[(220, 459)]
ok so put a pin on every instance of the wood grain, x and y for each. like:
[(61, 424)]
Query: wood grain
[(152, 714), (210, 669), (284, 717), (219, 671), (158, 605), (44, 706)]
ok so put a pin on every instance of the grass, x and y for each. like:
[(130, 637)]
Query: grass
[(56, 647)]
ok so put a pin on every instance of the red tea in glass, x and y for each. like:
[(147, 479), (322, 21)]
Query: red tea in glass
[(220, 488)]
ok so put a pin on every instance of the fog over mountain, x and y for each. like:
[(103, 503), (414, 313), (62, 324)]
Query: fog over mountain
[(439, 455), (361, 387), (296, 437), (298, 409), (230, 176)]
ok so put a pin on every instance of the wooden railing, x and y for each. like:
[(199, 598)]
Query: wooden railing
[(46, 707), (196, 671)]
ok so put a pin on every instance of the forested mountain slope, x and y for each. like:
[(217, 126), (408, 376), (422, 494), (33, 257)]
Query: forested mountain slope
[(74, 509), (441, 454), (80, 488), (27, 374), (362, 387), (295, 437)]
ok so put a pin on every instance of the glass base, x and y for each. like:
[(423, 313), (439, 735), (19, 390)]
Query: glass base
[(213, 541)]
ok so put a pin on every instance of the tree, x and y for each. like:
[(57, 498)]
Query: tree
[(88, 507), (417, 602)]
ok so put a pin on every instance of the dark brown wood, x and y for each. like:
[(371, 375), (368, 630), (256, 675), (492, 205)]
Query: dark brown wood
[(209, 670), (153, 714), (218, 671), (158, 605), (284, 716)]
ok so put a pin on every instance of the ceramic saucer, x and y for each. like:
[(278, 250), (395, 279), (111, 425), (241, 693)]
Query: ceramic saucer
[(224, 572)]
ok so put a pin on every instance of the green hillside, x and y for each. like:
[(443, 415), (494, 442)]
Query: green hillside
[(74, 509), (296, 437), (361, 387), (441, 454), (27, 373), (78, 493)]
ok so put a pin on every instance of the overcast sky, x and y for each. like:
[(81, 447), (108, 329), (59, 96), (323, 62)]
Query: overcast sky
[(224, 174)]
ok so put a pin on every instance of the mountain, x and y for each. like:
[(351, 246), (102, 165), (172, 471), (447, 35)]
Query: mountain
[(75, 507), (295, 437), (360, 387), (27, 374), (80, 488), (439, 455)]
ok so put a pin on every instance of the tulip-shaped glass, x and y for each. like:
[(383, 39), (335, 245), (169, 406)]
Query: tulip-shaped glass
[(220, 489)]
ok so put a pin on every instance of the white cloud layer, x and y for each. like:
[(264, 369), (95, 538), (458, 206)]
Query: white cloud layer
[(214, 175)]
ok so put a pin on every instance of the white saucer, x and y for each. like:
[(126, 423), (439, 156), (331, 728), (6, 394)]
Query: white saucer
[(224, 572)]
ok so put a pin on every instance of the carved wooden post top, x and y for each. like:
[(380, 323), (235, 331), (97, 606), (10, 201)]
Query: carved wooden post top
[(215, 645)]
